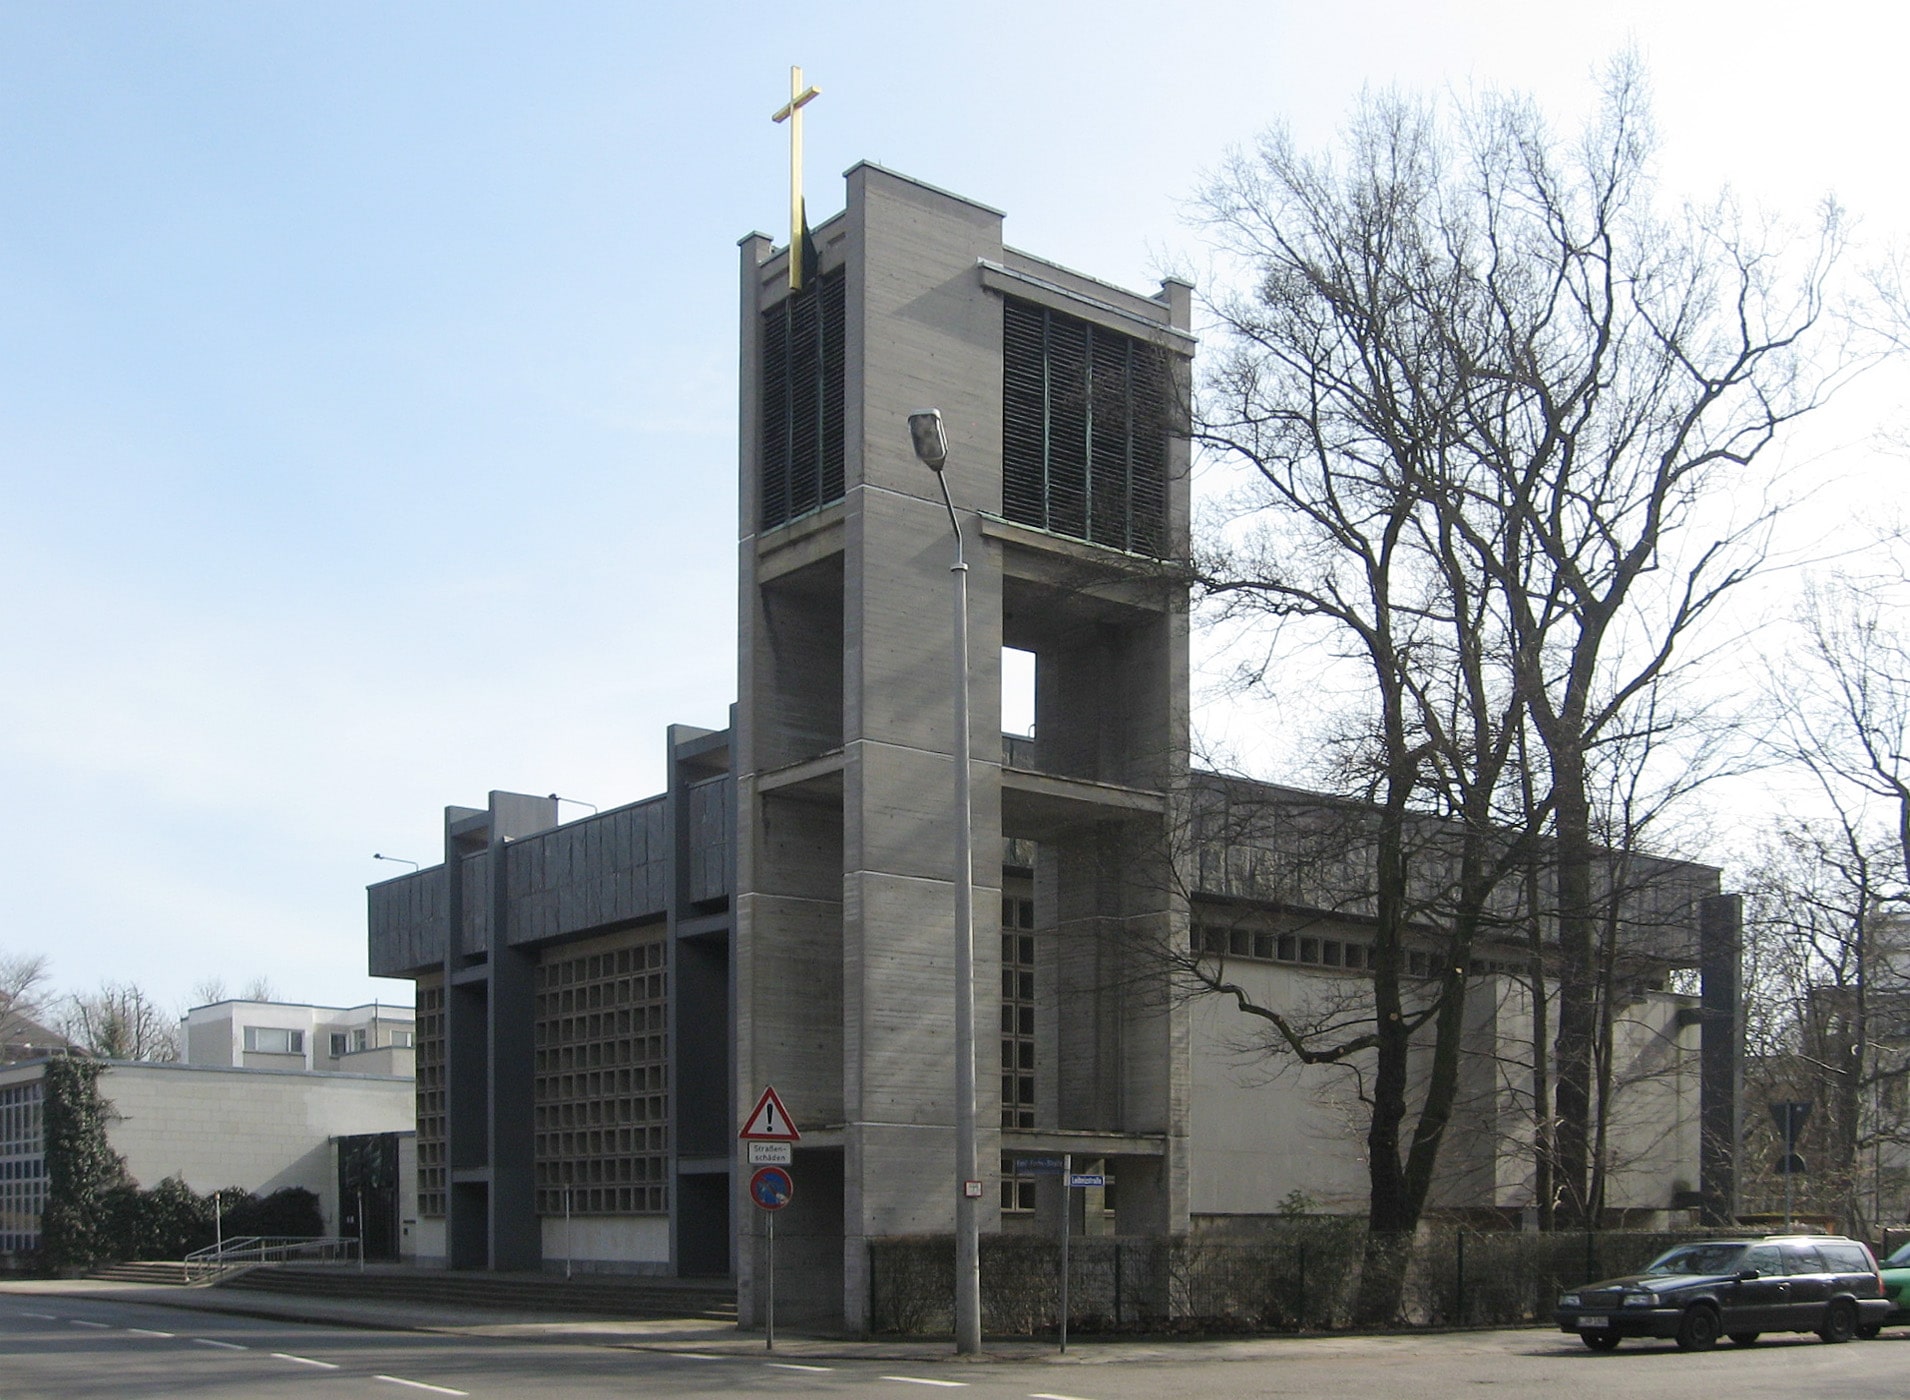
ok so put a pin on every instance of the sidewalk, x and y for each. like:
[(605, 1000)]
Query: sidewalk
[(650, 1334), (696, 1335)]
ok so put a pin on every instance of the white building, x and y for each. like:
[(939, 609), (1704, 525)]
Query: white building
[(266, 1094), (373, 1039)]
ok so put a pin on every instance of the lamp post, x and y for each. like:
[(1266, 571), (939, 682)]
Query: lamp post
[(931, 445)]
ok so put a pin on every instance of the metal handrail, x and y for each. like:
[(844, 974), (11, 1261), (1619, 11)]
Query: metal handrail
[(215, 1259)]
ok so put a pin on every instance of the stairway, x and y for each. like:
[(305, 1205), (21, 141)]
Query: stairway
[(598, 1296), (143, 1271)]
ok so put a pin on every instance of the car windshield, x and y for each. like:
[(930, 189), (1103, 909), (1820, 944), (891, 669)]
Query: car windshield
[(1899, 1260), (1697, 1259)]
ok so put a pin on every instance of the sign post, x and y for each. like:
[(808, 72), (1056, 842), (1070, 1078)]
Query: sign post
[(1067, 1223), (771, 1137), (1790, 1118)]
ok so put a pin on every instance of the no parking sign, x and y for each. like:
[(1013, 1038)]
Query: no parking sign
[(771, 1188)]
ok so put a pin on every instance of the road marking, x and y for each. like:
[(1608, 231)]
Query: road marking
[(699, 1356), (420, 1385), (304, 1360), (794, 1366), (1048, 1395), (147, 1332), (922, 1380), (223, 1346), (82, 1322), (44, 1317)]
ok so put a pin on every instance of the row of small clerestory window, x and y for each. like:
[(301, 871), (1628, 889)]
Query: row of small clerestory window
[(1220, 940)]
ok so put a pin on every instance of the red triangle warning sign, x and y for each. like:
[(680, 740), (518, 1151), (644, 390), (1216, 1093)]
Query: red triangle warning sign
[(769, 1121)]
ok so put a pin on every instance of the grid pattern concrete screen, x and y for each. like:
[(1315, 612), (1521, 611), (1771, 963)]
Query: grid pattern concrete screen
[(603, 1102), (430, 1046)]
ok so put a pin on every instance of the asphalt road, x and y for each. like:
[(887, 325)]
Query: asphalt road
[(76, 1348)]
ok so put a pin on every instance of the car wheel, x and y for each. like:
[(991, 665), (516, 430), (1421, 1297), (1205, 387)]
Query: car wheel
[(1698, 1329), (1870, 1330), (1744, 1339), (1600, 1341), (1840, 1322)]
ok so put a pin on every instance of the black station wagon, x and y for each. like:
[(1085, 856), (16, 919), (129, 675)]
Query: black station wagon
[(1699, 1292)]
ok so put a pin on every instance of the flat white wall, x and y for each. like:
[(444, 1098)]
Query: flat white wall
[(261, 1130), (638, 1244), (1261, 1127)]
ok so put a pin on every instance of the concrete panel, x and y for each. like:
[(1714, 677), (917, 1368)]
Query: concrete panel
[(600, 1244)]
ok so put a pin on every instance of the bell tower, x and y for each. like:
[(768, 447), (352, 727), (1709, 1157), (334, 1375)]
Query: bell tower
[(1067, 469)]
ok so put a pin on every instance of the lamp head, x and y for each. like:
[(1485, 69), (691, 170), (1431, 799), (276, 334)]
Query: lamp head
[(931, 443)]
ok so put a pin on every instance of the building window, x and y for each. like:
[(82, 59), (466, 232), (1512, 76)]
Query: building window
[(401, 1039), (802, 402), (602, 1080), (22, 1168), (361, 1039), (274, 1040), (1017, 1012), (338, 1044), (1085, 418), (1017, 1191), (431, 1155)]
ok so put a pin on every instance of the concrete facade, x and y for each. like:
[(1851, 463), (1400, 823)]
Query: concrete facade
[(212, 1127), (601, 1001)]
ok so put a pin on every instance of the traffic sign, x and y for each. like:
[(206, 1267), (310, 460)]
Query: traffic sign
[(770, 1154), (1088, 1179), (1037, 1166), (769, 1121), (771, 1188), (1790, 1119)]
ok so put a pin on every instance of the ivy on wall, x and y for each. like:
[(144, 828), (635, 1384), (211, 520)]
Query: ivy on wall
[(81, 1167), (96, 1214)]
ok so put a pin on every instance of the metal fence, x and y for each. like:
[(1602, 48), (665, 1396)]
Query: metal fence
[(1297, 1275)]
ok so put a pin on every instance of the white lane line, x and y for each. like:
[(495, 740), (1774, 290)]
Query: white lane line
[(699, 1356), (147, 1332), (82, 1322), (420, 1385), (304, 1360), (1050, 1395), (923, 1380), (223, 1346), (794, 1366), (44, 1317)]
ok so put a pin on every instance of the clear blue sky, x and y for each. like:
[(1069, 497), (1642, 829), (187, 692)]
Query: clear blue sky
[(367, 371)]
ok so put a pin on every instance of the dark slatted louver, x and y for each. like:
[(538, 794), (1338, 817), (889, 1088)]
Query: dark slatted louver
[(802, 402), (1085, 427), (1025, 414)]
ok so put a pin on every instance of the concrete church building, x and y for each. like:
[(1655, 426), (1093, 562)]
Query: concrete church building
[(600, 1002)]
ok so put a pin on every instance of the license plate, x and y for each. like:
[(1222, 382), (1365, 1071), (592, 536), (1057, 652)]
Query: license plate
[(1592, 1324)]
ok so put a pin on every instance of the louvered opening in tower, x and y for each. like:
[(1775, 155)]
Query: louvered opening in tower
[(802, 373), (1084, 429)]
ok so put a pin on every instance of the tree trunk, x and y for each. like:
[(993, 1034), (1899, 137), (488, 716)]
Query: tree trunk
[(1577, 1015)]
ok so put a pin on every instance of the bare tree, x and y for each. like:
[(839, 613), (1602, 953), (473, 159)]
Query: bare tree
[(1496, 418), (1832, 893), (120, 1022), (1827, 929), (22, 978)]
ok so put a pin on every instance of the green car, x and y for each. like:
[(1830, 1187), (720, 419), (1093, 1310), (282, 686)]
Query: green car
[(1896, 1287)]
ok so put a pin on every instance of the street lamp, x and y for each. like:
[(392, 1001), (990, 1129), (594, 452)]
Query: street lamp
[(380, 855), (931, 445)]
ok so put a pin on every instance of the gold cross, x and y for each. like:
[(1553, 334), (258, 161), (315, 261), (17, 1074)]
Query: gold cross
[(799, 97)]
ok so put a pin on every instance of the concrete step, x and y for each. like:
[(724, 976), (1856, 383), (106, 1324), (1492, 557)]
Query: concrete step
[(142, 1271), (622, 1296)]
